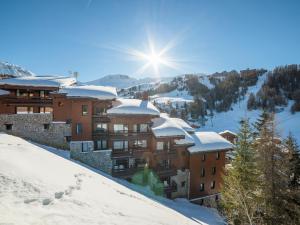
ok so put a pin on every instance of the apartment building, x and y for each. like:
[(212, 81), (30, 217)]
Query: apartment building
[(123, 136)]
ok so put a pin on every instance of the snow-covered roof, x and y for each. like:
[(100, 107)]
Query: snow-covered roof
[(183, 124), (3, 92), (209, 141), (187, 140), (134, 107), (90, 91), (228, 131), (40, 81), (165, 127), (13, 70)]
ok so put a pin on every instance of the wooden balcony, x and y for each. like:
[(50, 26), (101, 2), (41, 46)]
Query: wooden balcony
[(165, 171), (139, 151), (121, 153), (100, 134), (14, 100), (126, 172), (100, 118)]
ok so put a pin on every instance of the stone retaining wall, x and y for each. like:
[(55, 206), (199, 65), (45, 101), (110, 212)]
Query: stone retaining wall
[(99, 159), (36, 127)]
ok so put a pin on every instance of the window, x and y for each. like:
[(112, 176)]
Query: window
[(121, 164), (183, 184), (140, 143), (21, 93), (101, 144), (68, 138), (24, 110), (99, 110), (42, 94), (8, 126), (30, 109), (140, 127), (18, 92), (218, 155), (203, 157), (213, 170), (30, 94), (212, 185), (79, 128), (165, 163), (202, 172), (120, 128), (101, 127), (46, 110), (46, 126), (84, 110), (159, 145), (120, 145), (202, 187), (85, 147)]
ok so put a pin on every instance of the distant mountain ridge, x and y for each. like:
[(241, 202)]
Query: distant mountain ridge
[(7, 69), (121, 81)]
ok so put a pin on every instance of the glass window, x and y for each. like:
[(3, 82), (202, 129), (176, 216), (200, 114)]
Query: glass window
[(218, 155), (159, 145), (213, 170), (202, 172), (101, 144), (30, 109), (101, 127), (18, 92), (120, 128), (48, 109), (78, 128), (42, 94), (84, 110), (203, 157), (22, 110), (140, 143), (85, 147), (212, 184), (120, 145), (143, 127), (202, 187)]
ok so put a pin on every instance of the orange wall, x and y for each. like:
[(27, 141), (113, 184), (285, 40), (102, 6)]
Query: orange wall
[(195, 165)]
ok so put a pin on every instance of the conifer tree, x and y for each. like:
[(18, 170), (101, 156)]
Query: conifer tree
[(273, 166), (292, 197), (239, 192)]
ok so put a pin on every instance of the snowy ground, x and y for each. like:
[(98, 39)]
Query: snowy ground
[(42, 186), (286, 122)]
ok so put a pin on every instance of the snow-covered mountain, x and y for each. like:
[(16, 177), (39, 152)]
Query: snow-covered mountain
[(41, 185), (120, 81), (8, 69)]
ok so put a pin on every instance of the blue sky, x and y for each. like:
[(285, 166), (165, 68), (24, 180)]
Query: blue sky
[(54, 37)]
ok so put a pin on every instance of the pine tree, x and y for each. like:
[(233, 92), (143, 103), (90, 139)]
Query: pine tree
[(239, 193), (292, 197), (260, 122), (273, 166)]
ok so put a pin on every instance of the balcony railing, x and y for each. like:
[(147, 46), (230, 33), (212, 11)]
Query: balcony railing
[(162, 171), (126, 172), (28, 100)]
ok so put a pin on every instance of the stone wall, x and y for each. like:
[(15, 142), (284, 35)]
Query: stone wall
[(99, 159), (36, 127)]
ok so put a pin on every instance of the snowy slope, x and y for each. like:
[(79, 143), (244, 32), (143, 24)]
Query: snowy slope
[(40, 185), (13, 70), (286, 122), (120, 81)]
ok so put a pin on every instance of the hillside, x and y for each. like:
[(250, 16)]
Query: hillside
[(41, 185), (13, 70), (120, 81)]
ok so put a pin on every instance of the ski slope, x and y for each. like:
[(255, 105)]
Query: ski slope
[(286, 122), (41, 185)]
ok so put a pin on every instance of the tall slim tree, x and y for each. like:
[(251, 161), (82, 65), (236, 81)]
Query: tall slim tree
[(239, 193)]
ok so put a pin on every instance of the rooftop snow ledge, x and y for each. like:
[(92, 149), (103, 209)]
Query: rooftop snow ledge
[(165, 127), (134, 107), (3, 92), (90, 91), (209, 141)]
